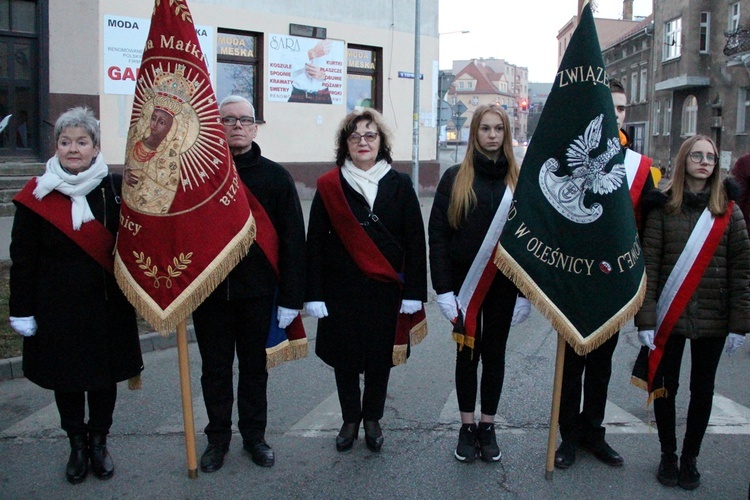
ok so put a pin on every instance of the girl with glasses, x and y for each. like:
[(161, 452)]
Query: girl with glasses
[(697, 256)]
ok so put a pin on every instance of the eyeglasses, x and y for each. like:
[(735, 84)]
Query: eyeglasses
[(369, 137), (231, 121), (697, 157)]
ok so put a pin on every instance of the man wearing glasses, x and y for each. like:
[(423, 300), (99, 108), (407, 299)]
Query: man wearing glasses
[(238, 314)]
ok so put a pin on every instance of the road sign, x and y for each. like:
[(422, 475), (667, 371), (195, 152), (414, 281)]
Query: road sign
[(459, 121), (444, 112), (460, 108)]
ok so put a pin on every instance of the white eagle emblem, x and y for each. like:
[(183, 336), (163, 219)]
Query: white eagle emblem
[(566, 193)]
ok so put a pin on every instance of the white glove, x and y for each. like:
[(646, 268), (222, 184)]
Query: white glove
[(410, 306), (447, 303), (286, 316), (647, 338), (316, 309), (521, 311), (734, 341), (24, 326)]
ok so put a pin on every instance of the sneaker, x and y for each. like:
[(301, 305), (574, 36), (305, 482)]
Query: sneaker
[(466, 450), (689, 478), (668, 471), (488, 448)]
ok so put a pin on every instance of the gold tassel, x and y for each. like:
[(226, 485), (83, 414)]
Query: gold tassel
[(418, 332), (166, 321), (536, 296), (638, 382), (399, 355), (135, 383)]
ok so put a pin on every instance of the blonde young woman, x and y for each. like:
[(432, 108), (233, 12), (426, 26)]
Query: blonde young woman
[(469, 197), (707, 299)]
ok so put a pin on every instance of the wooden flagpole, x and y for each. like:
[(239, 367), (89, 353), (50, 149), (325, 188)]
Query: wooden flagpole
[(555, 414), (559, 366), (187, 399)]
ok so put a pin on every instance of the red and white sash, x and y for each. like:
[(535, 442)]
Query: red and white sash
[(637, 170), (684, 279), (480, 275)]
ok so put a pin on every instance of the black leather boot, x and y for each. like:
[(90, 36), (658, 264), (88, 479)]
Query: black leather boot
[(78, 463), (101, 463)]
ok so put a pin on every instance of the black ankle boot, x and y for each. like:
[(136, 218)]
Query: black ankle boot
[(78, 463), (347, 435), (373, 435), (689, 478), (101, 463)]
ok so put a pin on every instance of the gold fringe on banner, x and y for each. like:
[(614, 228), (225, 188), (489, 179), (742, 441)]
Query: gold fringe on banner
[(286, 351), (417, 334), (135, 383), (537, 297), (165, 321)]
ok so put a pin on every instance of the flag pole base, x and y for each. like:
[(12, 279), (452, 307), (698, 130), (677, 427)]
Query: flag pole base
[(549, 475), (193, 473)]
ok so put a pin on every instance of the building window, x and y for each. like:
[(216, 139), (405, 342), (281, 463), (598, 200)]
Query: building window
[(238, 67), (364, 83), (624, 81), (633, 87), (475, 101), (672, 39), (657, 117), (667, 122), (743, 110), (734, 16), (461, 85), (637, 137), (689, 115), (705, 32), (19, 75), (644, 80)]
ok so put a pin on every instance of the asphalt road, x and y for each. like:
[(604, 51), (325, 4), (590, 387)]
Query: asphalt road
[(420, 427)]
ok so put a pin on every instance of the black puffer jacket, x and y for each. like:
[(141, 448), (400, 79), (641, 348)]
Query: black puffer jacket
[(452, 251), (721, 303)]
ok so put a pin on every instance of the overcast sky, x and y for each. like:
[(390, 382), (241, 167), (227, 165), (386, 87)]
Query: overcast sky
[(522, 32)]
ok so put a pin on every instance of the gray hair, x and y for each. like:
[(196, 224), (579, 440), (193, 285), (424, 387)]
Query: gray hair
[(78, 117), (231, 99)]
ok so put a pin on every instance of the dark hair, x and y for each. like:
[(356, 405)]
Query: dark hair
[(615, 86), (349, 125)]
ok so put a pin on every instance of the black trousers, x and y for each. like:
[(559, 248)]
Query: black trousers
[(372, 402), (223, 327), (72, 409), (590, 373), (493, 327), (705, 354)]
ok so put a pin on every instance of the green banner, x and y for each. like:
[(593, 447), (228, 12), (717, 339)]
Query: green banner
[(570, 242)]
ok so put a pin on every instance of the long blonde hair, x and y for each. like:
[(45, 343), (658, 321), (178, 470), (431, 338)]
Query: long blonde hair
[(717, 201), (463, 197)]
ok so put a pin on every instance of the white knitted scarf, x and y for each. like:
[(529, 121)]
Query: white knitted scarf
[(365, 182), (75, 186)]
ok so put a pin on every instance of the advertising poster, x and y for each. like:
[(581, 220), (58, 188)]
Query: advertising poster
[(124, 39), (305, 70)]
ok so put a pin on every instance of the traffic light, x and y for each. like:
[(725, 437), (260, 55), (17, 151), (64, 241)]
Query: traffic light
[(524, 104)]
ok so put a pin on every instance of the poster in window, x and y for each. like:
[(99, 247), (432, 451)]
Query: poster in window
[(305, 70)]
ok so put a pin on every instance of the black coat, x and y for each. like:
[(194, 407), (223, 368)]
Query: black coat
[(361, 323), (452, 251), (87, 335), (274, 188)]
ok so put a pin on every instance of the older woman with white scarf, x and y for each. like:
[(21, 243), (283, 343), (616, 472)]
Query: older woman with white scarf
[(80, 332), (366, 271)]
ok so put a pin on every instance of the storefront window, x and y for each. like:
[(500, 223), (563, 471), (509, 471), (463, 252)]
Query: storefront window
[(364, 80), (238, 67)]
